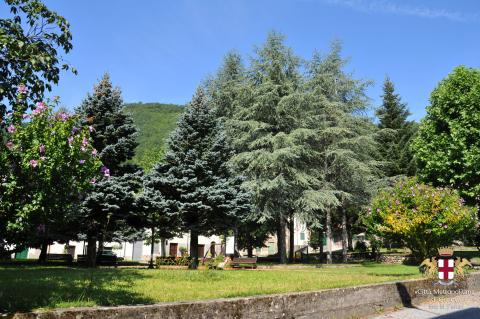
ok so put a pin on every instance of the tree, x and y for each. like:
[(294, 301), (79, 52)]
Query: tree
[(423, 217), (447, 146), (47, 165), (109, 205), (396, 133), (196, 174), (345, 163), (267, 134), (29, 59), (158, 210)]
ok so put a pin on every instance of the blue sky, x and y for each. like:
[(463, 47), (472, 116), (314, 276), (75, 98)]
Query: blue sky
[(159, 51)]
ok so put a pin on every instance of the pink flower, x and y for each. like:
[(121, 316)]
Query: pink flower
[(22, 89), (26, 116), (93, 181), (81, 162), (62, 116), (94, 152), (70, 140), (105, 171), (11, 129), (74, 130), (40, 108), (43, 158), (33, 163), (41, 149), (91, 129), (9, 145)]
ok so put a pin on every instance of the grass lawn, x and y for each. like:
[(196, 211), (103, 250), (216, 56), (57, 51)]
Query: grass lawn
[(30, 288)]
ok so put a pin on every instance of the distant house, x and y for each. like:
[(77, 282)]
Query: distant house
[(140, 250)]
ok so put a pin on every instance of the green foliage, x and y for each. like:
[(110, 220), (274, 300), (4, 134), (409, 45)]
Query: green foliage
[(173, 261), (360, 246), (197, 176), (423, 217), (29, 43), (316, 238), (396, 133), (47, 164), (447, 146), (109, 206), (154, 122)]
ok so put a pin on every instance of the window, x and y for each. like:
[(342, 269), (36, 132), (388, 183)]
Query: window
[(302, 236)]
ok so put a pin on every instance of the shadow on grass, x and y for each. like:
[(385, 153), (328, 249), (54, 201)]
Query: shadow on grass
[(29, 288)]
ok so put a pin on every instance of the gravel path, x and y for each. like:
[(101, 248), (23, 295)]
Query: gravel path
[(458, 307)]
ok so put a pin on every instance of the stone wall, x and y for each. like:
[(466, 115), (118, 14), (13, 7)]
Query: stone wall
[(396, 259), (332, 303)]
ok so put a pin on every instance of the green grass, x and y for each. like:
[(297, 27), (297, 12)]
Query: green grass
[(154, 121), (32, 288)]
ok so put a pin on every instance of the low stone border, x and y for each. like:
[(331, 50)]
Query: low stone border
[(350, 302)]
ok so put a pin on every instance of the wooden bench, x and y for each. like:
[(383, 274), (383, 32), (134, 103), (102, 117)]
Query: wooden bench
[(60, 257), (101, 260), (239, 262)]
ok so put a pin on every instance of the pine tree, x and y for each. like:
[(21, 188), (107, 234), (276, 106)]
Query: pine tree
[(197, 175), (109, 206), (396, 133), (223, 89), (345, 164), (272, 149), (157, 211)]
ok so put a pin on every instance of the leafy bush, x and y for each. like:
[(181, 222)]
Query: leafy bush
[(423, 217), (360, 246), (173, 261), (214, 262)]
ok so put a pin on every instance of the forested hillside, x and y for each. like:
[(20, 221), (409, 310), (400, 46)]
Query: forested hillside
[(154, 122)]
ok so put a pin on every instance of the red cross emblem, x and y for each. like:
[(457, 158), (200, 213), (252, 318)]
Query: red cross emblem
[(446, 269)]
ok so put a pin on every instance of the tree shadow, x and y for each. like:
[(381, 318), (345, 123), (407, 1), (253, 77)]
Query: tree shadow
[(29, 288), (404, 295)]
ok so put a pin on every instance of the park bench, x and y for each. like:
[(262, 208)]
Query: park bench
[(104, 260), (60, 257), (239, 262)]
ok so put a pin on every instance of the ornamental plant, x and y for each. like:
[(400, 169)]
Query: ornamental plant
[(420, 216), (47, 163)]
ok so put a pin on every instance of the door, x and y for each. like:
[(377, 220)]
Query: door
[(22, 254), (71, 250), (137, 250), (173, 249), (201, 251)]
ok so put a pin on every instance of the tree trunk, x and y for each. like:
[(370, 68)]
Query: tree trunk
[(281, 242), (235, 242), (344, 235), (43, 253), (328, 223), (291, 232), (91, 251), (100, 244), (193, 250), (152, 245), (350, 237), (320, 235), (250, 251)]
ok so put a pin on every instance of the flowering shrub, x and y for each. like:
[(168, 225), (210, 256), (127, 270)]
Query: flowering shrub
[(423, 217), (46, 163)]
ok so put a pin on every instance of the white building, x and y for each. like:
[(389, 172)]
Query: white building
[(177, 246)]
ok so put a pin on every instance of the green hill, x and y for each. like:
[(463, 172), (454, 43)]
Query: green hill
[(154, 121)]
